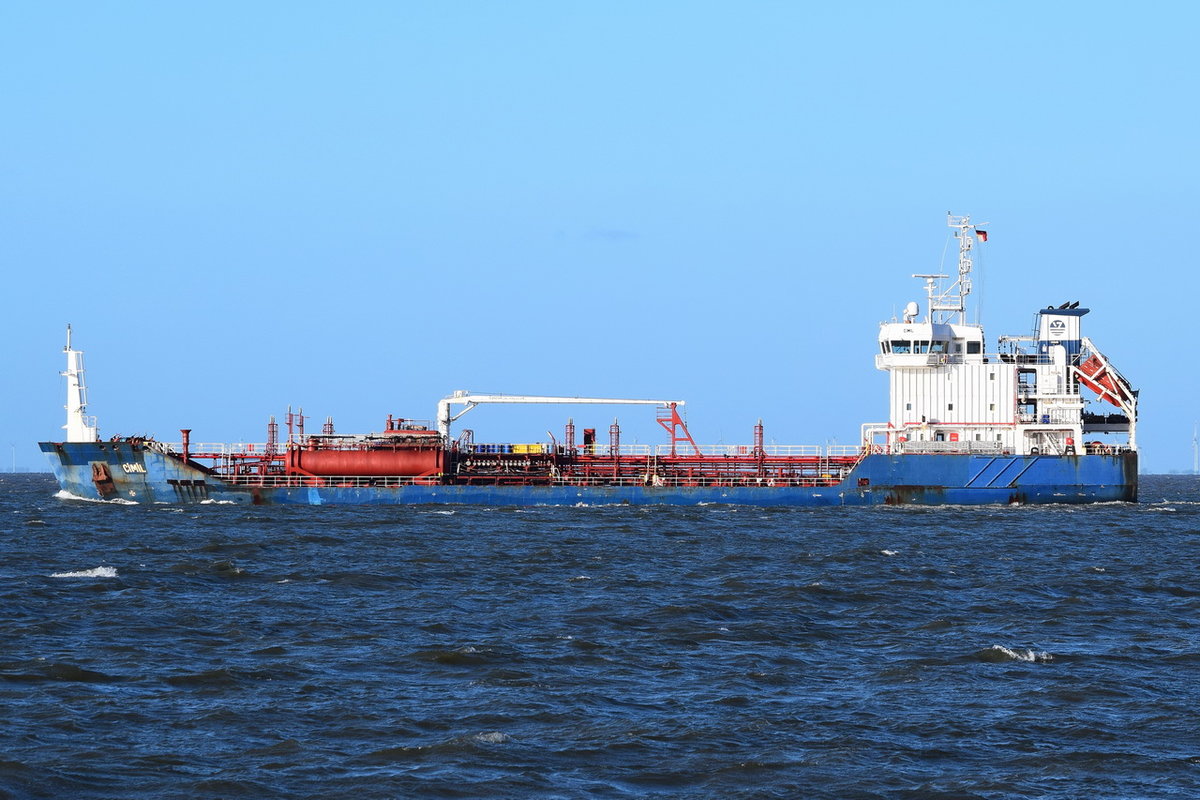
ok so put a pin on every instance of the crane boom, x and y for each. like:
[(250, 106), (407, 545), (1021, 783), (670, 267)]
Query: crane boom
[(445, 417)]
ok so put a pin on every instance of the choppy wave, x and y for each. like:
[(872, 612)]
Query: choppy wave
[(95, 572), (63, 494), (619, 652), (998, 653)]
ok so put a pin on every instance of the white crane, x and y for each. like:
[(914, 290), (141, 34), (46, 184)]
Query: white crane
[(464, 398)]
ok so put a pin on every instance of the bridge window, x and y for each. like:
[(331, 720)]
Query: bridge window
[(974, 348), (920, 347), (938, 347), (901, 346)]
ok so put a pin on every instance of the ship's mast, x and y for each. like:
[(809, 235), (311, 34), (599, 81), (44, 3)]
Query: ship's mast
[(944, 303), (80, 427)]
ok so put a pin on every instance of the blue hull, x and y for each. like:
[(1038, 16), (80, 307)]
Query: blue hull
[(133, 473)]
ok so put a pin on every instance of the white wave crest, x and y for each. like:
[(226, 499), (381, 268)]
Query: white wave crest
[(96, 572), (889, 552), (999, 652), (211, 502), (492, 737), (63, 494)]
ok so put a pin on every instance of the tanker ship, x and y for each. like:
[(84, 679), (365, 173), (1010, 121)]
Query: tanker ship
[(1042, 418)]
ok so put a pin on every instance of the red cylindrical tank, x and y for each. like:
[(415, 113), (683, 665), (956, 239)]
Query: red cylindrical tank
[(399, 461)]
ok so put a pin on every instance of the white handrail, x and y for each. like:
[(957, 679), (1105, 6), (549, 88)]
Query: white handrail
[(600, 449), (673, 482)]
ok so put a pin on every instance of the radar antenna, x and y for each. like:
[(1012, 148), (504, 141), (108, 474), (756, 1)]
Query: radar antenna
[(945, 303)]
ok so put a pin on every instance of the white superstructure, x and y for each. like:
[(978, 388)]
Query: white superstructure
[(948, 394)]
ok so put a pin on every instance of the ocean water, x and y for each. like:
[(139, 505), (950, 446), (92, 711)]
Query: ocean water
[(219, 651)]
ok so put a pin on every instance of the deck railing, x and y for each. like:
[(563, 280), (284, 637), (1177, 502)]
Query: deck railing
[(392, 481), (970, 447), (251, 449)]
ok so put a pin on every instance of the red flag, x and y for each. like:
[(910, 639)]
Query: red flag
[(982, 235)]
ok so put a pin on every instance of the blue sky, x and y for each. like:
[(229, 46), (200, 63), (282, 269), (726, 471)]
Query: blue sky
[(359, 208)]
